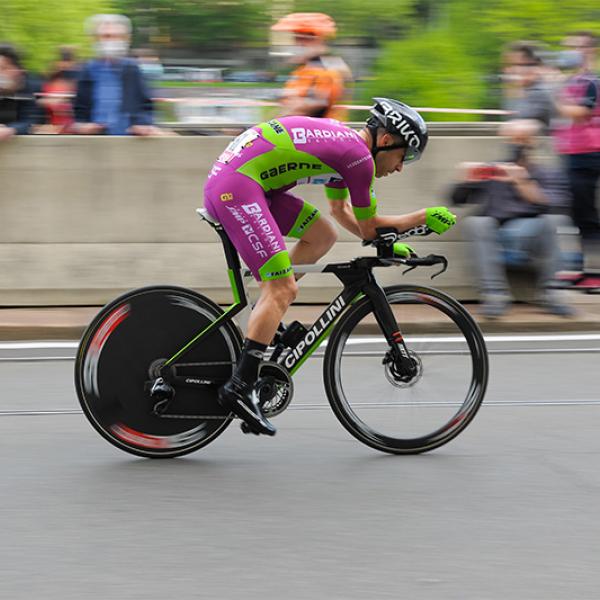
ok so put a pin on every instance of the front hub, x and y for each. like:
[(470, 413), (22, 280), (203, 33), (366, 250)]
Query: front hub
[(397, 374)]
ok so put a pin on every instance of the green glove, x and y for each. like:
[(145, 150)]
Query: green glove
[(439, 219), (403, 250)]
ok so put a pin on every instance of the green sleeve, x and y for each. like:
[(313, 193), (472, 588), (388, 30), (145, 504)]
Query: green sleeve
[(334, 193)]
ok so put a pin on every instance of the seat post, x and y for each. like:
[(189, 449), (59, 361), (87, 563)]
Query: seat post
[(231, 255), (232, 259)]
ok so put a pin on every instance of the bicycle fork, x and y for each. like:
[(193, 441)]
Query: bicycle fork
[(405, 365)]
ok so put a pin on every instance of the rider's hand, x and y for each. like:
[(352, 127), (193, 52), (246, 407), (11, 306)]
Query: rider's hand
[(439, 219), (403, 250)]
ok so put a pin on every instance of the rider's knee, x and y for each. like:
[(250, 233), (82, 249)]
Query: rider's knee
[(283, 291), (330, 235), (289, 290)]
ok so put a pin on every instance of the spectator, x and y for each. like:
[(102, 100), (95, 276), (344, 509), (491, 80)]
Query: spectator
[(67, 63), (58, 92), (578, 140), (112, 97), (318, 83), (515, 198), (18, 111), (526, 95)]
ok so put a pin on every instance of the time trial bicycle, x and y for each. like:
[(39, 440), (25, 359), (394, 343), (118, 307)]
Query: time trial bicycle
[(150, 363)]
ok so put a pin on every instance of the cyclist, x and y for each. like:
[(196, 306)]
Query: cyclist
[(248, 193), (317, 84)]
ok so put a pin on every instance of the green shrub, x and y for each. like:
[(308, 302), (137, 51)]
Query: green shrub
[(430, 70)]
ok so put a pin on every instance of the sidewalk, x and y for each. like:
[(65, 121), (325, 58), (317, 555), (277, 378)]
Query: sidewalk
[(68, 323)]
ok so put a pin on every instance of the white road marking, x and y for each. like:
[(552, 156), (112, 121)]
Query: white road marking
[(323, 406), (37, 345), (367, 340), (569, 337)]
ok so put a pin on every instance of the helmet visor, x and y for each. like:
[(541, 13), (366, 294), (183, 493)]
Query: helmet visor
[(411, 155)]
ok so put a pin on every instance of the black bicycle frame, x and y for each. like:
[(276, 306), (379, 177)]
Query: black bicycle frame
[(357, 279)]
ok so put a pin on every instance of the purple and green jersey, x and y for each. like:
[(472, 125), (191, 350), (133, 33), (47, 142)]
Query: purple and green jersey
[(248, 186)]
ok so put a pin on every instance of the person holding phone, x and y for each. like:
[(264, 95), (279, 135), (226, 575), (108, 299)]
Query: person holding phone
[(516, 198)]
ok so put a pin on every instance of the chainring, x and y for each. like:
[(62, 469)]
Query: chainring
[(274, 388)]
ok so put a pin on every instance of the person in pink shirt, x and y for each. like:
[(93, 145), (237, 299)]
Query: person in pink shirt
[(577, 137)]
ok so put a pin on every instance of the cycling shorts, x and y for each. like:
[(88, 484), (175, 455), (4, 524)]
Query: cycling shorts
[(256, 221)]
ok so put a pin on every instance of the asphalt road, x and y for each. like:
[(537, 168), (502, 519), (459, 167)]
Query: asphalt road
[(509, 509)]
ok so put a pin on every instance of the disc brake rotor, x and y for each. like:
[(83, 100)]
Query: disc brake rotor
[(396, 378)]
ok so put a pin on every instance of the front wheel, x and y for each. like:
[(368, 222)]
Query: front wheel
[(121, 353), (379, 406)]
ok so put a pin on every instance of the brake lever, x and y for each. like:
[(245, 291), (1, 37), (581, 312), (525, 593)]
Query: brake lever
[(429, 261), (444, 263)]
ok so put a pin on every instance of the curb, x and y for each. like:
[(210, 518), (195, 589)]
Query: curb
[(70, 323)]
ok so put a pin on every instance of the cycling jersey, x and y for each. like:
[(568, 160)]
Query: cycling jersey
[(248, 186)]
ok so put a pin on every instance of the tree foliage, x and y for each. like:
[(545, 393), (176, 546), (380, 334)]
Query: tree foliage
[(389, 19), (435, 52), (199, 24), (453, 61), (38, 27), (428, 70)]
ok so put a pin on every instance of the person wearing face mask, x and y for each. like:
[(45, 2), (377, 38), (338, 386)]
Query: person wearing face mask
[(525, 93), (318, 83), (112, 97), (516, 221), (18, 111), (577, 135)]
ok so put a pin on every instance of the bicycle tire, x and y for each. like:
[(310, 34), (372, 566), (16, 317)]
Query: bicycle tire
[(115, 362), (472, 348)]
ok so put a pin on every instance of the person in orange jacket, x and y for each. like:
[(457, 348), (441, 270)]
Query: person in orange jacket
[(318, 84)]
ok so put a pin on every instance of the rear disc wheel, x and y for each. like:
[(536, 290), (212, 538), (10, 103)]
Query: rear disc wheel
[(119, 357)]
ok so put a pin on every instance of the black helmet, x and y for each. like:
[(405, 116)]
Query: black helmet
[(402, 121)]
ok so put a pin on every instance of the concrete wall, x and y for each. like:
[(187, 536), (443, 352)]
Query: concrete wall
[(83, 219)]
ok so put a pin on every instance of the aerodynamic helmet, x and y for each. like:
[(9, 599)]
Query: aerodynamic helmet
[(400, 120)]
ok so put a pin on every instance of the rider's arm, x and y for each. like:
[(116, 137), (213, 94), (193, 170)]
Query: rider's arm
[(342, 213), (340, 210), (400, 222), (360, 179), (365, 229)]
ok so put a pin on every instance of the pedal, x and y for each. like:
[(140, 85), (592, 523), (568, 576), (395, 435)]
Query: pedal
[(246, 428), (161, 390), (162, 393)]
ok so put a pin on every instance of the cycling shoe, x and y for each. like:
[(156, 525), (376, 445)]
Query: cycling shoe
[(239, 397)]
